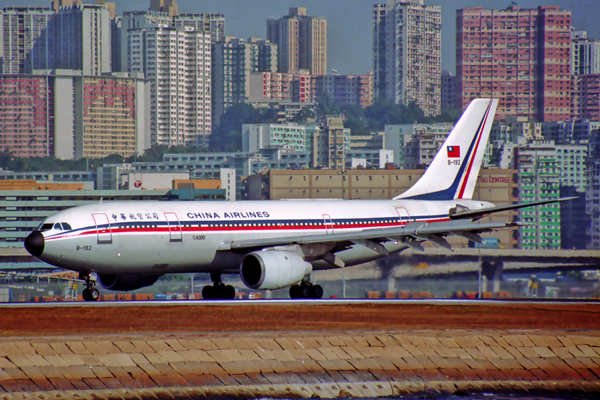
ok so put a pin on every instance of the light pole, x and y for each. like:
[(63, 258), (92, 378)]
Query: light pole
[(191, 185)]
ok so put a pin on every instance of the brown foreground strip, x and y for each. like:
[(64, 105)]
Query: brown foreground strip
[(254, 350), (300, 364), (252, 317)]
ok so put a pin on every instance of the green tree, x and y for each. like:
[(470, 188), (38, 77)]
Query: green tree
[(326, 106), (355, 119)]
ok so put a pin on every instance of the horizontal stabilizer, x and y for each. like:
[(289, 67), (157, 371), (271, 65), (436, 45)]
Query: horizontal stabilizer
[(476, 214)]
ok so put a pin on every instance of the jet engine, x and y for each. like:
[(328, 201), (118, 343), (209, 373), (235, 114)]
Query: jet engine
[(127, 281), (273, 269)]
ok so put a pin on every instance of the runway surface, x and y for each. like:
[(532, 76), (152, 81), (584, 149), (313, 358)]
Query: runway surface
[(48, 319)]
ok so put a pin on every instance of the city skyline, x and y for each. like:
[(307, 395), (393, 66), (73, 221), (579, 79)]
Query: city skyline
[(349, 31)]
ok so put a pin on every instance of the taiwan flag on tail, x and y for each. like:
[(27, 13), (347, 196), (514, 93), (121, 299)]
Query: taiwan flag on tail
[(453, 151)]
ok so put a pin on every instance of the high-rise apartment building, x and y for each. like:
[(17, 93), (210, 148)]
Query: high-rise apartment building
[(301, 41), (520, 56), (233, 60), (539, 179), (586, 97), (66, 115), (167, 6), (448, 91), (407, 53), (26, 39), (26, 102), (214, 24), (136, 21), (585, 54), (345, 89), (177, 62), (83, 39)]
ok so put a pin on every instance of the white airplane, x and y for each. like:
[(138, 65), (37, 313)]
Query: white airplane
[(273, 244)]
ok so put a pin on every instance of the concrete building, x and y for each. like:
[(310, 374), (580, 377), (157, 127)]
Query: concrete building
[(213, 24), (27, 39), (289, 137), (494, 185), (66, 115), (233, 60), (83, 39), (344, 89), (586, 97), (270, 86), (177, 63), (397, 138), (87, 178), (130, 50), (520, 56), (585, 54), (330, 143), (282, 88), (209, 166), (301, 41), (592, 194), (448, 91), (539, 179), (407, 53), (167, 6), (578, 131)]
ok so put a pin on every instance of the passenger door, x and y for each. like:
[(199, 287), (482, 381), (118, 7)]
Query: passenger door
[(174, 227), (403, 215), (103, 229), (328, 224)]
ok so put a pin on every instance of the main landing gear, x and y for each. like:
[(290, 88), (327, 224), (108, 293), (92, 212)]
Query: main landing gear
[(218, 291), (306, 290), (90, 293)]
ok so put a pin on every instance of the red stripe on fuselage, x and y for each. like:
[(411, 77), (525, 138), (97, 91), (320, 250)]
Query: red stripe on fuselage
[(282, 227)]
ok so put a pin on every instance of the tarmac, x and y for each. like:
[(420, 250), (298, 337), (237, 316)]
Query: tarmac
[(289, 364)]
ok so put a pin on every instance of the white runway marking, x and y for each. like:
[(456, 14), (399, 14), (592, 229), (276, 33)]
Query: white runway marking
[(159, 303)]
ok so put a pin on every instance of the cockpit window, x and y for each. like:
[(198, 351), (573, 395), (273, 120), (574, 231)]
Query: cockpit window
[(66, 226), (46, 227), (57, 226)]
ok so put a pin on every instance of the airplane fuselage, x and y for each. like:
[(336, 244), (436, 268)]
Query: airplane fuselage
[(167, 237)]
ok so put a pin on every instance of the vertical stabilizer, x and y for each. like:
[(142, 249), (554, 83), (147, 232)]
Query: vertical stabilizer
[(454, 170)]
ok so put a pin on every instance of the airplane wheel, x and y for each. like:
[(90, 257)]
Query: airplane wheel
[(305, 291), (295, 292), (229, 292), (208, 292), (317, 292), (94, 295), (86, 294)]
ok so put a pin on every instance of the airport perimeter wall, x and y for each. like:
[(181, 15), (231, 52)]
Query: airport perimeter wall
[(297, 364)]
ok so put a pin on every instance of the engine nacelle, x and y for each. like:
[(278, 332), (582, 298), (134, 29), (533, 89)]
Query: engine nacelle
[(127, 281), (273, 269)]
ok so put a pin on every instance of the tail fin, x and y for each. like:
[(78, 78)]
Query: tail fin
[(454, 170)]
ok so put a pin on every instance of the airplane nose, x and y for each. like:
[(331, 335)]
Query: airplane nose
[(34, 243)]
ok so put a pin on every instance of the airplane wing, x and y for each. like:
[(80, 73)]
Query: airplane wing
[(477, 214), (411, 234)]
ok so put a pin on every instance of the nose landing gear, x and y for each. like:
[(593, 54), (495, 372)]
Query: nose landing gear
[(218, 291), (90, 293)]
